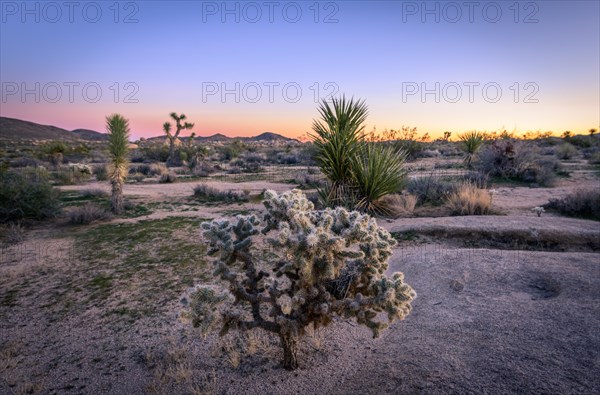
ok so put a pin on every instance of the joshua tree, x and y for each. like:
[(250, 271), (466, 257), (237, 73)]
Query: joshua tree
[(322, 264), (118, 147), (173, 137), (471, 143), (592, 132), (447, 136)]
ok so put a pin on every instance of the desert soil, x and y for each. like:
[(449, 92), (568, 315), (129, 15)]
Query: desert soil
[(506, 304)]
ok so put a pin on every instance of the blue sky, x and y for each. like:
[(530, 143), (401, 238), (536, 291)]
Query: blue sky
[(542, 57)]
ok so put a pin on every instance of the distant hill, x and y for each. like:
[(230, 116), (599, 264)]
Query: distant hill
[(214, 137), (87, 134), (11, 128), (218, 137)]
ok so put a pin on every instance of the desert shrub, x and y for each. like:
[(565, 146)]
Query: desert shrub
[(149, 169), (206, 194), (477, 178), (25, 161), (321, 265), (232, 150), (101, 173), (93, 193), (430, 153), (203, 169), (565, 151), (12, 233), (155, 152), (469, 200), (399, 205), (136, 177), (594, 158), (27, 195), (582, 203), (287, 159), (87, 213), (167, 178), (73, 174), (519, 161), (580, 141), (431, 189)]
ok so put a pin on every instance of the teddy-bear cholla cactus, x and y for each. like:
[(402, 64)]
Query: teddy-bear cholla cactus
[(322, 264)]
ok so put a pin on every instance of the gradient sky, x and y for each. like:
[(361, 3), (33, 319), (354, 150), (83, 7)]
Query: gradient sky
[(543, 56)]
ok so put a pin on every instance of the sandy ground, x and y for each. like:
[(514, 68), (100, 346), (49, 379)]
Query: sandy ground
[(486, 320)]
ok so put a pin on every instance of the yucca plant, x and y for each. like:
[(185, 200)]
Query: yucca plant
[(338, 136), (118, 148), (378, 171), (471, 142)]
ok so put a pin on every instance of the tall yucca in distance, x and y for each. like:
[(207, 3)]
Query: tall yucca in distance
[(118, 148)]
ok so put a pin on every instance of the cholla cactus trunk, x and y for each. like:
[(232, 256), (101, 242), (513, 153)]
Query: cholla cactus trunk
[(322, 264), (289, 343)]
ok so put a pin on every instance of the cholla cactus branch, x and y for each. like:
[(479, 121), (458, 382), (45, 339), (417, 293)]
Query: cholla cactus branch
[(320, 264)]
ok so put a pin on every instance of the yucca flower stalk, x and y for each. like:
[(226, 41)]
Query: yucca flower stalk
[(118, 148)]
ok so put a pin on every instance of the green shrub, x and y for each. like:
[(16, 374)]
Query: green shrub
[(101, 173), (206, 194), (581, 203), (431, 189), (27, 195), (566, 151)]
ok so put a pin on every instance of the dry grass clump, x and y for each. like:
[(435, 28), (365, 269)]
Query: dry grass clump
[(87, 213), (12, 233), (470, 200), (168, 178), (206, 194), (396, 206)]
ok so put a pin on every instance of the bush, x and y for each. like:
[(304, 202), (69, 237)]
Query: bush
[(168, 178), (470, 200), (136, 177), (519, 161), (94, 193), (12, 233), (431, 189), (321, 265), (150, 170), (101, 173), (155, 152), (581, 203), (206, 194), (27, 195), (565, 151), (87, 213), (73, 174)]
